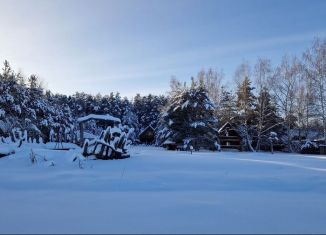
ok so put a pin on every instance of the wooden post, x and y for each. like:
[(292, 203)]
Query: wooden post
[(81, 129)]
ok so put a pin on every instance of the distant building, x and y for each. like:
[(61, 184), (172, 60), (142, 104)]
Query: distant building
[(169, 145), (229, 137), (147, 136)]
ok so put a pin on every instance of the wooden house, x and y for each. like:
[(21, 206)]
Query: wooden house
[(229, 137), (147, 136)]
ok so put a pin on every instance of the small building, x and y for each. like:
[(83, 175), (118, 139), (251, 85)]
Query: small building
[(147, 136), (229, 137), (169, 145), (322, 149)]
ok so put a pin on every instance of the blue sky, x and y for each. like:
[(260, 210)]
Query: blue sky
[(135, 46)]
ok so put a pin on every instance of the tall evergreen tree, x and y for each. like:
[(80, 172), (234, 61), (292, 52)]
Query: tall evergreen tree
[(189, 116), (227, 109), (245, 105)]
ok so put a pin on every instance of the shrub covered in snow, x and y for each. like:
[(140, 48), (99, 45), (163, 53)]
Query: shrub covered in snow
[(309, 148), (113, 143), (6, 149)]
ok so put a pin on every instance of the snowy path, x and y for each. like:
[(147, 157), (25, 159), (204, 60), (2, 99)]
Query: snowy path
[(157, 191)]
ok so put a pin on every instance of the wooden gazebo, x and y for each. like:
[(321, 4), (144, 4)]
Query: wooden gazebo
[(107, 119)]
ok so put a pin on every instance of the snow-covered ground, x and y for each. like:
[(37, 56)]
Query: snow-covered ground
[(158, 191)]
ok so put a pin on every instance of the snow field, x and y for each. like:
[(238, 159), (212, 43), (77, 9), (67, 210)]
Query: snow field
[(159, 191)]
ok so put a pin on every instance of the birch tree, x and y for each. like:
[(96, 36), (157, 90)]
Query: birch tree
[(284, 84), (315, 69), (212, 79), (262, 75)]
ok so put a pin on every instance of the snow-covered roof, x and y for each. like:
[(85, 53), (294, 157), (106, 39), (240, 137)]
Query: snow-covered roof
[(195, 124), (148, 127), (168, 142), (225, 124), (105, 117)]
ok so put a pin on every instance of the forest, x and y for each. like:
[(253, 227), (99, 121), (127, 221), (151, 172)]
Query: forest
[(283, 103)]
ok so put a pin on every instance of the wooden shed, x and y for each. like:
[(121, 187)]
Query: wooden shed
[(147, 136), (169, 145), (229, 137), (322, 149)]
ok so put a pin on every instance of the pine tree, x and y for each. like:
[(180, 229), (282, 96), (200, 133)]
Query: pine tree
[(245, 105), (228, 106), (189, 117), (246, 99), (8, 74), (26, 107)]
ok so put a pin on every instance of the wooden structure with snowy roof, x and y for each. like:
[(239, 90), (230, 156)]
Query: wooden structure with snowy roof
[(169, 145), (107, 119), (229, 137), (147, 136)]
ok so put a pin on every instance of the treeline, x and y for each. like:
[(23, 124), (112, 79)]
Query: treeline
[(288, 99), (25, 105)]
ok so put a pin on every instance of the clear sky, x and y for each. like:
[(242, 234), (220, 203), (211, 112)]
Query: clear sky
[(135, 46)]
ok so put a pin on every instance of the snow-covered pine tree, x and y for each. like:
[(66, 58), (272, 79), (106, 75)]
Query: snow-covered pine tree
[(12, 97), (227, 109), (129, 118), (27, 108), (189, 118)]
